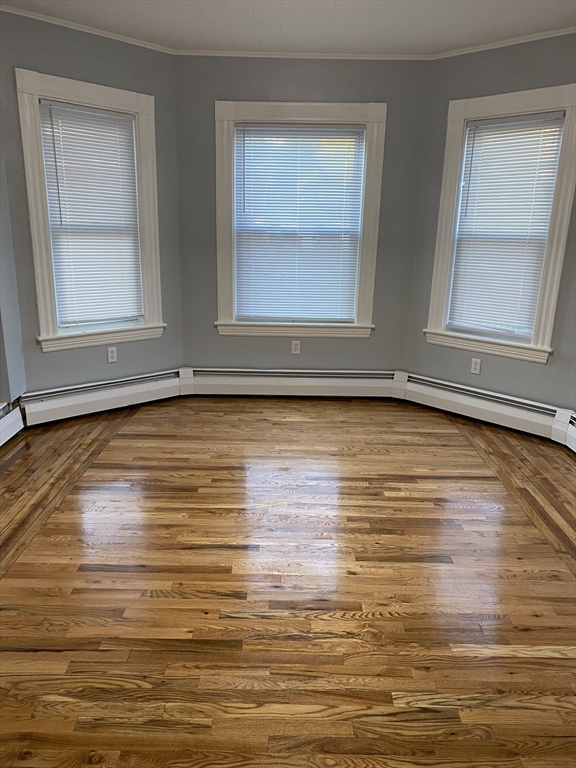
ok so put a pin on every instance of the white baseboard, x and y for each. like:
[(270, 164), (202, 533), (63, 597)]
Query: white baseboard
[(507, 411), (63, 406), (10, 425), (571, 437), (558, 424), (304, 383), (561, 425), (186, 376), (476, 408)]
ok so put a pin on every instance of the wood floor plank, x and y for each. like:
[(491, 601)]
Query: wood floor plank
[(539, 474), (48, 758), (38, 475), (280, 583)]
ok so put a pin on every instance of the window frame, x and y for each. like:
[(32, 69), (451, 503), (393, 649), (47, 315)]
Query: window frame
[(461, 111), (227, 114), (31, 87)]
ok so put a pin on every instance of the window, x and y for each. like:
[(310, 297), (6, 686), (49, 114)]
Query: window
[(90, 170), (298, 199), (506, 198), (297, 217)]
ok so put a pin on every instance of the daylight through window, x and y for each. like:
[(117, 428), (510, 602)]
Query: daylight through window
[(90, 169), (297, 222)]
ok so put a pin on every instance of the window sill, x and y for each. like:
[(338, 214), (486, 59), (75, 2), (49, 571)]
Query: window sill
[(100, 338), (317, 330), (525, 352)]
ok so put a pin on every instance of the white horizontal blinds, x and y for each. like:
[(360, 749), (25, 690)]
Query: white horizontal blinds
[(90, 166), (298, 212), (508, 180)]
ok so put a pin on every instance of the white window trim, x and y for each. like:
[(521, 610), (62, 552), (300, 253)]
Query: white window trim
[(32, 86), (459, 112), (227, 113)]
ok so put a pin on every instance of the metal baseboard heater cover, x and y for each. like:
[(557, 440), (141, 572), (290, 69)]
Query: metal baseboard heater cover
[(482, 394), (306, 383), (291, 373), (10, 424), (526, 415), (53, 404), (507, 411)]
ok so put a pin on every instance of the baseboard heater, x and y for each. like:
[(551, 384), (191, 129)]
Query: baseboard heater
[(278, 381), (62, 403), (571, 433), (10, 422), (505, 410), (536, 418)]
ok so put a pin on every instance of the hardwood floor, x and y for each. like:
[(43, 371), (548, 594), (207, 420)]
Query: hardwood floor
[(541, 477), (39, 467), (280, 583)]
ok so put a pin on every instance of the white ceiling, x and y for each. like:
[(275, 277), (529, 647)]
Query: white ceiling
[(362, 28)]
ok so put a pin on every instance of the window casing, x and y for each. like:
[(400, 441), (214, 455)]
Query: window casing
[(298, 203), (505, 205), (89, 154)]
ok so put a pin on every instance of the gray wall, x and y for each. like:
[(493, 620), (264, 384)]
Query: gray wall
[(201, 81), (518, 67), (185, 88), (12, 372), (56, 50)]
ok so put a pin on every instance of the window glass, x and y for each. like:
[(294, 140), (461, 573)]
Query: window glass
[(298, 196), (507, 189), (90, 171)]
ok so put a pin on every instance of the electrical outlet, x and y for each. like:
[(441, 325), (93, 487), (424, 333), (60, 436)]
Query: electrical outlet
[(295, 347), (112, 355), (476, 365)]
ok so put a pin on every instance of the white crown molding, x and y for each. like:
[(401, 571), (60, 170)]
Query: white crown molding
[(300, 55), (290, 55), (84, 28), (503, 43)]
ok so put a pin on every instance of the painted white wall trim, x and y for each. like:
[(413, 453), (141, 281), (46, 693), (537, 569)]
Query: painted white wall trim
[(289, 55), (100, 338), (10, 425), (31, 87), (477, 408), (296, 384), (317, 330), (525, 415), (561, 425), (478, 344), (227, 114), (571, 437), (558, 424), (562, 97), (64, 406), (186, 376)]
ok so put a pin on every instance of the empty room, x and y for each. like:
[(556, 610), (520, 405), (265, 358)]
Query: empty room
[(288, 384)]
